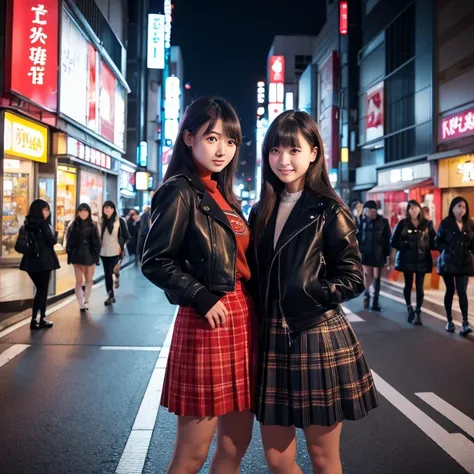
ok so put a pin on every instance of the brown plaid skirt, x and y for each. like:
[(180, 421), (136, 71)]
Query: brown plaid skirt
[(211, 372), (321, 378)]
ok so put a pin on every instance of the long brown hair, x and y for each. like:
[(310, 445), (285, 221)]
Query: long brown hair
[(421, 216), (284, 132), (208, 110)]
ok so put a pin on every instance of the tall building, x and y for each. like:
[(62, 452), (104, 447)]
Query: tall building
[(396, 106), (63, 134), (454, 102)]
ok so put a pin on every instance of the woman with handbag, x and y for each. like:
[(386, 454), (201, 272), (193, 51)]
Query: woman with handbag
[(83, 247), (39, 258), (114, 235)]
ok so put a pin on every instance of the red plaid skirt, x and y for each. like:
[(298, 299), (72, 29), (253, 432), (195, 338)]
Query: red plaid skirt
[(211, 372)]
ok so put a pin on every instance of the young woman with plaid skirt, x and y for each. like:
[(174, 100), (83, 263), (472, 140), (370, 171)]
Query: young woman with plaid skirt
[(305, 261), (196, 252)]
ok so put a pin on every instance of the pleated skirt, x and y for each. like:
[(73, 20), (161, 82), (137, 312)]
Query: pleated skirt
[(320, 378), (211, 372)]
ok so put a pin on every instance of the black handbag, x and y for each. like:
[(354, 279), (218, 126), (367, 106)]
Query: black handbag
[(26, 243)]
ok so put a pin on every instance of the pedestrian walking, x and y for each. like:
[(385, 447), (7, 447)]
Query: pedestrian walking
[(195, 252), (455, 240), (374, 244), (145, 224), (133, 224), (39, 260), (413, 238), (83, 250), (305, 262), (114, 235)]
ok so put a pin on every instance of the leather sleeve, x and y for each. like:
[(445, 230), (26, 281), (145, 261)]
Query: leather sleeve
[(344, 278), (160, 262)]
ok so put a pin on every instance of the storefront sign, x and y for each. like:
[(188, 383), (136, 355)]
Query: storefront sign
[(274, 110), (343, 18), (172, 108), (456, 172), (119, 117), (74, 71), (107, 102), (34, 53), (405, 174), (260, 92), (168, 9), (456, 125), (142, 180), (277, 69), (25, 139), (89, 155), (156, 42), (374, 112)]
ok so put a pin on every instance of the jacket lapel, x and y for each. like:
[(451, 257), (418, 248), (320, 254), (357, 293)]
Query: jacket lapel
[(209, 207)]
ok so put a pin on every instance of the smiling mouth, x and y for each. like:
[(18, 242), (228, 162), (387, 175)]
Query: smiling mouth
[(218, 162), (285, 171)]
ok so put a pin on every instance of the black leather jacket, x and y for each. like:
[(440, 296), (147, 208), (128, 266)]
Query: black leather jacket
[(414, 245), (190, 251), (456, 248), (314, 267), (374, 241)]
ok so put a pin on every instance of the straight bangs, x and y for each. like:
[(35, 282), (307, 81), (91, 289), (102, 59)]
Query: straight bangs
[(230, 122), (285, 135)]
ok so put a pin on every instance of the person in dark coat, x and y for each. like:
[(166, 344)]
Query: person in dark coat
[(455, 240), (374, 245), (133, 224), (40, 266), (83, 250), (145, 223), (413, 238)]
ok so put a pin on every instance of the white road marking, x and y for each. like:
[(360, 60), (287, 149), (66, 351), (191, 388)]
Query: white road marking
[(456, 445), (130, 348), (134, 455), (424, 310), (451, 413), (12, 352), (352, 317)]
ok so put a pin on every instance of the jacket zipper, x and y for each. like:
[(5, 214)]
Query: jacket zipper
[(284, 323)]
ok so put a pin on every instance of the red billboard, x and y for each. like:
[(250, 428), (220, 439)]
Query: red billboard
[(458, 125), (374, 112), (34, 52), (92, 88), (107, 102), (343, 18), (277, 69)]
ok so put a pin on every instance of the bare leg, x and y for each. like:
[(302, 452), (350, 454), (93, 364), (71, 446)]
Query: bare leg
[(193, 438), (323, 448), (89, 283), (78, 273), (368, 277), (234, 432), (279, 445)]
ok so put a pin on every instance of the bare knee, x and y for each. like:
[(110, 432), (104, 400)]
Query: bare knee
[(280, 462), (188, 462), (326, 463), (233, 448)]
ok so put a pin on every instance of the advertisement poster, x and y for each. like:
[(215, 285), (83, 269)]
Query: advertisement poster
[(34, 51), (374, 113), (74, 66), (92, 89), (277, 69), (107, 102), (119, 117)]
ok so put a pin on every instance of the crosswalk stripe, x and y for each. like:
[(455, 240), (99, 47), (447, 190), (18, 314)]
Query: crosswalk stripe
[(352, 317), (456, 445), (12, 352), (451, 413)]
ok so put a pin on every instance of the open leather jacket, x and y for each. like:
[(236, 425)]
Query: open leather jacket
[(190, 251), (315, 266)]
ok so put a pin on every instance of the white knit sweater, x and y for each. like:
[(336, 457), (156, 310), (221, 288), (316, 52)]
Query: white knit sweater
[(287, 203)]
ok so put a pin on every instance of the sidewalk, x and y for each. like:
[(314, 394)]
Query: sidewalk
[(17, 290)]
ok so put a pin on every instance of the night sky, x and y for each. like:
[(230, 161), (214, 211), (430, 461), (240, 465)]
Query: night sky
[(225, 45)]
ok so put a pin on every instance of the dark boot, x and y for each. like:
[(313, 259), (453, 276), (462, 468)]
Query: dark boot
[(375, 305), (466, 329), (34, 324), (411, 314), (417, 321), (366, 300), (450, 326), (45, 324), (110, 299)]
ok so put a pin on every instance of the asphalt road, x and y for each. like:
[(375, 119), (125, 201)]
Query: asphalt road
[(83, 396)]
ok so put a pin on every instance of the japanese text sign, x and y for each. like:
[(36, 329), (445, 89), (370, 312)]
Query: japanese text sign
[(456, 125), (34, 54)]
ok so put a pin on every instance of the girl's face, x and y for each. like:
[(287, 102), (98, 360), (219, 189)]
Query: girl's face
[(83, 213), (46, 212), (414, 212), (108, 211), (212, 151), (459, 210), (290, 164)]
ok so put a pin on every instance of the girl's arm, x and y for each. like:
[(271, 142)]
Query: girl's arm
[(440, 240), (343, 279), (396, 241), (160, 262)]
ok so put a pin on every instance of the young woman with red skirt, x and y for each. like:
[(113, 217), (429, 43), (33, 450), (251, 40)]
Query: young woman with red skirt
[(195, 251)]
